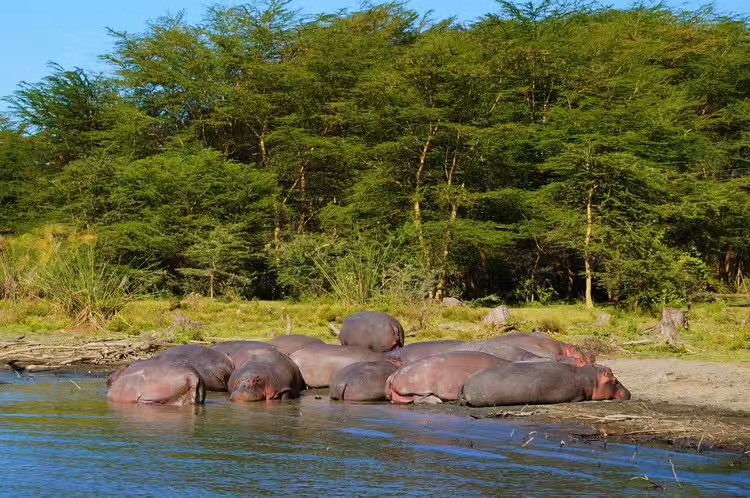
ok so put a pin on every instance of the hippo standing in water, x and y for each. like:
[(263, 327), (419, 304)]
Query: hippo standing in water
[(547, 382), (265, 375), (376, 331), (288, 344), (157, 381), (319, 362), (420, 350), (362, 381), (213, 366), (543, 345), (436, 378)]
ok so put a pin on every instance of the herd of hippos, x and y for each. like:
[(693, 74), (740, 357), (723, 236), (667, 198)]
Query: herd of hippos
[(372, 364)]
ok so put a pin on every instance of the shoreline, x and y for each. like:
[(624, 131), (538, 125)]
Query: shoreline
[(638, 422), (689, 405)]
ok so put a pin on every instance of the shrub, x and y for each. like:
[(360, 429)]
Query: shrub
[(82, 286)]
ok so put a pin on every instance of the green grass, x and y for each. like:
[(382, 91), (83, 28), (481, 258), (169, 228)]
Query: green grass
[(718, 331)]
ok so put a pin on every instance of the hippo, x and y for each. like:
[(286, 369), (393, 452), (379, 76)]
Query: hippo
[(419, 350), (547, 382), (213, 366), (157, 381), (362, 381), (437, 378), (265, 375), (288, 344), (501, 350), (319, 362), (543, 345), (376, 331), (240, 351)]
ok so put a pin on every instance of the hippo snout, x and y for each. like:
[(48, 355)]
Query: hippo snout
[(622, 393)]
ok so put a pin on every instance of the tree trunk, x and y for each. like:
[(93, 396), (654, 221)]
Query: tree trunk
[(303, 195), (446, 249), (450, 172), (417, 187), (211, 276), (586, 244), (262, 142)]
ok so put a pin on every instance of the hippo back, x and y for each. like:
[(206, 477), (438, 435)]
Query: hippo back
[(319, 362), (420, 350), (213, 366), (379, 332), (441, 376), (157, 381), (361, 381), (288, 344)]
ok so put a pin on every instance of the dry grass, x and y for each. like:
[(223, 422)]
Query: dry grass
[(717, 331)]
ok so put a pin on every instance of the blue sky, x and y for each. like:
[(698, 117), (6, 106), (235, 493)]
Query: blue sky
[(73, 32)]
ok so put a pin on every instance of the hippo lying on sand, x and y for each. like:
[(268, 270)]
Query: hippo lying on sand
[(157, 381), (501, 350), (362, 381), (436, 378), (288, 344), (548, 382), (419, 350), (319, 362), (379, 332), (543, 345), (213, 366)]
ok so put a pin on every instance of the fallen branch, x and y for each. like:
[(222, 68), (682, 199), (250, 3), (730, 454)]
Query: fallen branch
[(503, 414), (614, 418)]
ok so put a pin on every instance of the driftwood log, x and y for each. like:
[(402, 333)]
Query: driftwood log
[(32, 357)]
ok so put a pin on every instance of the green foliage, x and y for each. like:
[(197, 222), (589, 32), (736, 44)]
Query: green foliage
[(85, 288), (375, 155), (352, 271)]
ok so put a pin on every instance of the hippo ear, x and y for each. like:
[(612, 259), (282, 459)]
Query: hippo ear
[(606, 376)]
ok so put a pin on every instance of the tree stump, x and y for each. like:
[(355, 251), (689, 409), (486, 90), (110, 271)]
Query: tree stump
[(672, 320), (498, 317), (604, 320), (675, 316)]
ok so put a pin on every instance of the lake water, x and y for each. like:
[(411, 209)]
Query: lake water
[(59, 437)]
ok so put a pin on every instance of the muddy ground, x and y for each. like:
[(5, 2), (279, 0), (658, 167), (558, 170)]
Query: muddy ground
[(696, 405)]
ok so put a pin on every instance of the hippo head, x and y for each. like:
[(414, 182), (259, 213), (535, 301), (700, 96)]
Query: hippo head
[(250, 389), (582, 358), (568, 360), (608, 387)]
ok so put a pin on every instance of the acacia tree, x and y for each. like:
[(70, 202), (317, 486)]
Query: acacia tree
[(70, 108)]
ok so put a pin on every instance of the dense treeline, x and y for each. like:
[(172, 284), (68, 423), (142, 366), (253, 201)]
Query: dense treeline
[(546, 151)]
